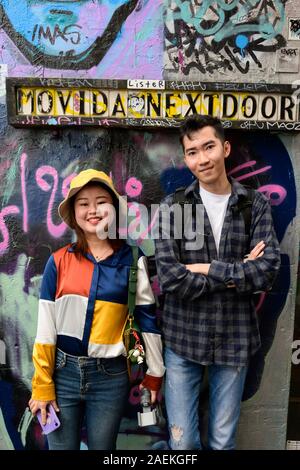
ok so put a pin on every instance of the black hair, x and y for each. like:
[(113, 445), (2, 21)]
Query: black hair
[(198, 121)]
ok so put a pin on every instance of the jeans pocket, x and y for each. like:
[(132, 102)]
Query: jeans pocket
[(114, 366)]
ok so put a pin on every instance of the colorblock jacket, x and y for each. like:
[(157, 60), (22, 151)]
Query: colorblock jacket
[(83, 309)]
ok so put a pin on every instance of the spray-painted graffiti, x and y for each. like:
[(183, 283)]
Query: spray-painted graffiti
[(87, 35), (226, 36), (145, 167), (65, 37)]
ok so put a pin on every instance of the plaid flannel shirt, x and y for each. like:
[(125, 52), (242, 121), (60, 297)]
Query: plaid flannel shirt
[(204, 319)]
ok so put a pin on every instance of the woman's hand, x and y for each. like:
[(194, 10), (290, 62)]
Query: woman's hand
[(36, 405), (153, 396), (256, 252)]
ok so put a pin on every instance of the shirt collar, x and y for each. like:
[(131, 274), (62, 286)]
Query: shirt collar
[(123, 252), (237, 189)]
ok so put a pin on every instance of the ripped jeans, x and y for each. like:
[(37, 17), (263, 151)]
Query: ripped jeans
[(182, 394)]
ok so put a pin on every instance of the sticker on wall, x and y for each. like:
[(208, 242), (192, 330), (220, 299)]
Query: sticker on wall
[(294, 29), (3, 75), (287, 60), (223, 37), (98, 103)]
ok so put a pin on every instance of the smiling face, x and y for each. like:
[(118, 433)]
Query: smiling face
[(204, 155), (64, 33), (92, 204)]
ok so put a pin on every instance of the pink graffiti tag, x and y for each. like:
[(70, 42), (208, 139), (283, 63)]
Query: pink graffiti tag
[(55, 230), (274, 192), (133, 187), (148, 229), (24, 194), (66, 184), (252, 173), (241, 167), (135, 214)]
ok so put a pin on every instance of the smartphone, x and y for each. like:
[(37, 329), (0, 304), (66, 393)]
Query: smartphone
[(52, 422)]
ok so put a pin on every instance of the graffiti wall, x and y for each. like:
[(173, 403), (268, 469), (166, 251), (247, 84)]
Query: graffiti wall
[(293, 431), (35, 173), (207, 36), (235, 41), (149, 38), (113, 38)]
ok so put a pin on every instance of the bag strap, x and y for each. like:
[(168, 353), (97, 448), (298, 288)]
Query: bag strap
[(244, 206), (132, 281), (180, 197)]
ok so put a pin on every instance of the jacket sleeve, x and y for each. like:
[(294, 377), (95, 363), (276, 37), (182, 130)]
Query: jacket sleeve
[(145, 314), (259, 274), (173, 276), (45, 341)]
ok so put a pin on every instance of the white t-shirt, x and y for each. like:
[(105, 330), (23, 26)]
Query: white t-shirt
[(215, 205)]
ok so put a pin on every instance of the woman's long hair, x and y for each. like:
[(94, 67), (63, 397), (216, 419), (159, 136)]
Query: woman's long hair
[(81, 246)]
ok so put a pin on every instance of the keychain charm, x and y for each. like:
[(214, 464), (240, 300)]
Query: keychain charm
[(137, 354)]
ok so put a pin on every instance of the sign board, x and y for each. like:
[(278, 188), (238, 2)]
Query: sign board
[(149, 103)]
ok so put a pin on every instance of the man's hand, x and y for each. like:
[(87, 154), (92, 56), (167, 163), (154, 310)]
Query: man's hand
[(199, 268), (256, 252), (203, 268)]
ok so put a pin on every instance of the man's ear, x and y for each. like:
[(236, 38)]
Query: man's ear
[(227, 148)]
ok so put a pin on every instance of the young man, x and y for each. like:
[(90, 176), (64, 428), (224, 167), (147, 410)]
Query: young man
[(209, 316)]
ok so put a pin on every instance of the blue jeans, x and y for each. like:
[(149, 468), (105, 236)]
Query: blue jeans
[(90, 388), (182, 394)]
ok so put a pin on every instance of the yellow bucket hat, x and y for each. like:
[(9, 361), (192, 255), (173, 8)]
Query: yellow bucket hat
[(77, 183)]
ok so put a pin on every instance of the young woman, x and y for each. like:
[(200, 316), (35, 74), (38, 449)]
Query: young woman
[(79, 355)]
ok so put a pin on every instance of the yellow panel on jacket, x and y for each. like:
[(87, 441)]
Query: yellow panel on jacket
[(108, 322)]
